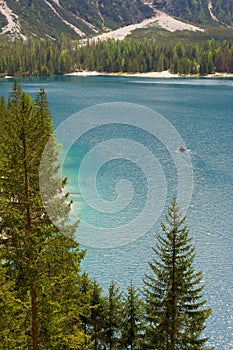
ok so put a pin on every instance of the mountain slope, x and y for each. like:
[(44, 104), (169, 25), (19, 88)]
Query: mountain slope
[(75, 18), (85, 18), (195, 11), (199, 11), (223, 11)]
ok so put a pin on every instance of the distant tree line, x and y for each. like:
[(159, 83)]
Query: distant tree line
[(48, 57), (147, 56), (46, 301)]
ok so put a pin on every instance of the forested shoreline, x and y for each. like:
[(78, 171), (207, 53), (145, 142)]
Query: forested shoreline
[(46, 301), (49, 57)]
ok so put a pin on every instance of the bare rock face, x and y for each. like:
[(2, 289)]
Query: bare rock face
[(83, 18), (74, 18)]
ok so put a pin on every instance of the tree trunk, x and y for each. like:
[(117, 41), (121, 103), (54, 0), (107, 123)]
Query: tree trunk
[(173, 335), (34, 315), (34, 327), (95, 332)]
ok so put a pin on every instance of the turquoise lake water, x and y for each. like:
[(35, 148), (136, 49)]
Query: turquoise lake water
[(155, 116)]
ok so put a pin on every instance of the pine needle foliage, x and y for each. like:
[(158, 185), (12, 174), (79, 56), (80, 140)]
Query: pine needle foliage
[(42, 262), (132, 316), (175, 313)]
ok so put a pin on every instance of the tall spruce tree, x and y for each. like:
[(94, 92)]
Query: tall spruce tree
[(132, 319), (113, 317), (13, 313), (85, 302), (12, 310), (174, 307), (42, 262), (97, 316)]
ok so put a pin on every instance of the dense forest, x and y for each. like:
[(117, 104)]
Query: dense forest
[(197, 11), (46, 301), (146, 56), (223, 9), (48, 57), (193, 11)]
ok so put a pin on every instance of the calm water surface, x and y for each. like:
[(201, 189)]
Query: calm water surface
[(201, 110)]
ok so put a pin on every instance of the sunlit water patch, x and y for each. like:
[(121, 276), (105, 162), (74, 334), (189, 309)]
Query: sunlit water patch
[(201, 110)]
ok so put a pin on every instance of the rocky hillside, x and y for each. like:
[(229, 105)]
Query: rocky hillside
[(223, 11), (75, 18), (199, 11), (83, 18), (191, 10)]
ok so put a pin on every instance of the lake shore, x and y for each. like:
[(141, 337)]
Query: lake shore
[(163, 74)]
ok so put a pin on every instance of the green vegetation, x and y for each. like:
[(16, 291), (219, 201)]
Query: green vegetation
[(197, 11), (51, 19), (45, 300), (174, 304), (123, 12), (132, 317), (3, 21), (47, 57), (219, 34), (39, 20), (223, 10), (147, 56), (44, 19), (42, 264), (193, 11), (43, 57)]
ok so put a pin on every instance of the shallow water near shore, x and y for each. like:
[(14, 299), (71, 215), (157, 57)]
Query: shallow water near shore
[(201, 110)]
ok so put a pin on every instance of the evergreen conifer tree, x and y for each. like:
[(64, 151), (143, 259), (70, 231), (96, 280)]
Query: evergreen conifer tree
[(85, 288), (42, 262), (175, 310), (97, 317), (13, 313), (113, 317), (132, 319)]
